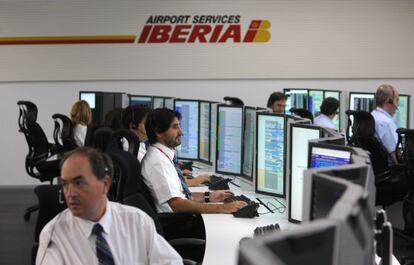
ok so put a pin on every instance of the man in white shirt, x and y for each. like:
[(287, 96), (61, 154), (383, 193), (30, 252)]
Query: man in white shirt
[(170, 192), (93, 230), (386, 102), (277, 102), (329, 109)]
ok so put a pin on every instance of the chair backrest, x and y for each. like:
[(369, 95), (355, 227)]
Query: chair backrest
[(304, 113), (63, 132), (131, 138), (105, 140), (90, 134)]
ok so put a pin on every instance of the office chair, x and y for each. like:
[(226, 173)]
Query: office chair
[(38, 162), (390, 181), (131, 138), (90, 134), (233, 101), (63, 133), (104, 140), (304, 113)]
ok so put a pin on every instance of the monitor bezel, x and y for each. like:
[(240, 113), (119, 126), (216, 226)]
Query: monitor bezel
[(208, 162), (198, 129), (217, 140), (257, 154), (299, 125), (160, 97), (133, 95), (328, 146), (289, 89), (408, 109), (173, 100), (245, 176), (362, 93), (90, 92)]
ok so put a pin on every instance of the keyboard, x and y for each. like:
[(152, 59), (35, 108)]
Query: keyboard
[(263, 230), (248, 211), (238, 198)]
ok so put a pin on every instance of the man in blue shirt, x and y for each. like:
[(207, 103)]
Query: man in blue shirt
[(386, 102)]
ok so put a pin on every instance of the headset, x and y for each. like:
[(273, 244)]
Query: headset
[(391, 99), (133, 126)]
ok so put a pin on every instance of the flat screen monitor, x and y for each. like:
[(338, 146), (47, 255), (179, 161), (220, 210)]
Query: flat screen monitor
[(403, 112), (298, 157), (145, 101), (270, 156), (89, 97), (248, 142), (361, 101), (169, 103), (157, 102), (204, 147), (296, 98), (213, 132), (315, 101), (189, 110), (229, 139), (337, 95), (327, 155)]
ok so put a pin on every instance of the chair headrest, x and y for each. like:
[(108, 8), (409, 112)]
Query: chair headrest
[(66, 130), (105, 140), (304, 113), (29, 110), (364, 124)]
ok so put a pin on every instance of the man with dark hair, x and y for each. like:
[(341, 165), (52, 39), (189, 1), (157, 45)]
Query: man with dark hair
[(277, 102), (133, 118), (93, 230), (167, 185), (386, 102), (329, 109)]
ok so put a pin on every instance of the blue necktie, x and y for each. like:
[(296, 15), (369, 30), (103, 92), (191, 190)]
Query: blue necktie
[(103, 252), (186, 190), (147, 144)]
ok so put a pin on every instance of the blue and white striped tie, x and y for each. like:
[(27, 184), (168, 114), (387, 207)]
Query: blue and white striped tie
[(103, 252)]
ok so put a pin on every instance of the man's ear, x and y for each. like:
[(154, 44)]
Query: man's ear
[(107, 183)]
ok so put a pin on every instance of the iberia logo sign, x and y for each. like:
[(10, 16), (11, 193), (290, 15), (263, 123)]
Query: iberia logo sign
[(169, 29)]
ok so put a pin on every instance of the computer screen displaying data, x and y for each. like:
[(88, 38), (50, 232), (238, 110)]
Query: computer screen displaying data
[(270, 147), (361, 101), (297, 98), (315, 101), (158, 102), (299, 141), (169, 103), (213, 132), (248, 141), (204, 147), (229, 139), (89, 97), (328, 156), (189, 125), (402, 115), (337, 95), (145, 101)]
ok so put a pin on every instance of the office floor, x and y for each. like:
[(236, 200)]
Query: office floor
[(16, 235)]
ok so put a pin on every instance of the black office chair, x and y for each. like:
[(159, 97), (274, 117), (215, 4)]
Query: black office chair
[(131, 138), (104, 140), (38, 162), (90, 134), (304, 113), (63, 133), (233, 101), (390, 181)]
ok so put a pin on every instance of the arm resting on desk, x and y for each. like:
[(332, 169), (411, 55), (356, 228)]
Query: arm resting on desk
[(182, 205)]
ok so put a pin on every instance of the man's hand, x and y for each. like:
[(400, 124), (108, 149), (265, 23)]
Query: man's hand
[(187, 172), (220, 195), (232, 207)]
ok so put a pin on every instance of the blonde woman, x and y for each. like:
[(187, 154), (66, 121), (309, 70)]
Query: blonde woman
[(81, 117)]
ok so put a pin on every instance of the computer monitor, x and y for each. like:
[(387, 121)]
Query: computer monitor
[(315, 100), (328, 155), (296, 98), (298, 157), (317, 241), (270, 154), (189, 110), (89, 97), (337, 95), (402, 116), (248, 142), (157, 102), (229, 139), (204, 138), (169, 103), (145, 101), (361, 101)]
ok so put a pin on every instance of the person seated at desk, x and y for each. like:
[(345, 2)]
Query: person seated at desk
[(386, 102), (329, 109), (93, 230), (166, 184), (81, 117), (277, 102)]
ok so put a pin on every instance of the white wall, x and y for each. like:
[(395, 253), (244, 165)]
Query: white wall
[(57, 97)]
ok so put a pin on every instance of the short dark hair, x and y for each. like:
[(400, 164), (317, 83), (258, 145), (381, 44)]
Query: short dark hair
[(159, 121), (113, 119), (275, 96), (101, 163), (134, 114), (329, 106)]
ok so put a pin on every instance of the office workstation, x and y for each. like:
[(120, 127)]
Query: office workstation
[(115, 55)]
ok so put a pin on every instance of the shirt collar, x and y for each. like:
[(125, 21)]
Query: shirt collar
[(168, 151), (86, 226), (383, 111)]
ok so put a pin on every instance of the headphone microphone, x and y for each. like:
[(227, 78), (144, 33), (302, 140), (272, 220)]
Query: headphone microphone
[(134, 125), (391, 99)]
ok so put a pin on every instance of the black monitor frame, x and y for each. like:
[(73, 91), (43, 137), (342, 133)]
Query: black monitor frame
[(217, 140), (90, 92), (245, 176), (257, 154), (170, 98), (327, 146), (290, 164), (144, 96), (160, 97), (198, 128), (208, 162), (361, 93), (408, 109)]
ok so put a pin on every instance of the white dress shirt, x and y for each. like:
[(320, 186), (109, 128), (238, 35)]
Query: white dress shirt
[(161, 176), (385, 129), (141, 151), (324, 121), (79, 134), (130, 234)]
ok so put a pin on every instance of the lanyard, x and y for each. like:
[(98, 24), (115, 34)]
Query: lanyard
[(164, 154)]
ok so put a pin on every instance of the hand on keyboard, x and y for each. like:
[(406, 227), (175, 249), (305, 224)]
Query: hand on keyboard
[(220, 195), (233, 207)]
